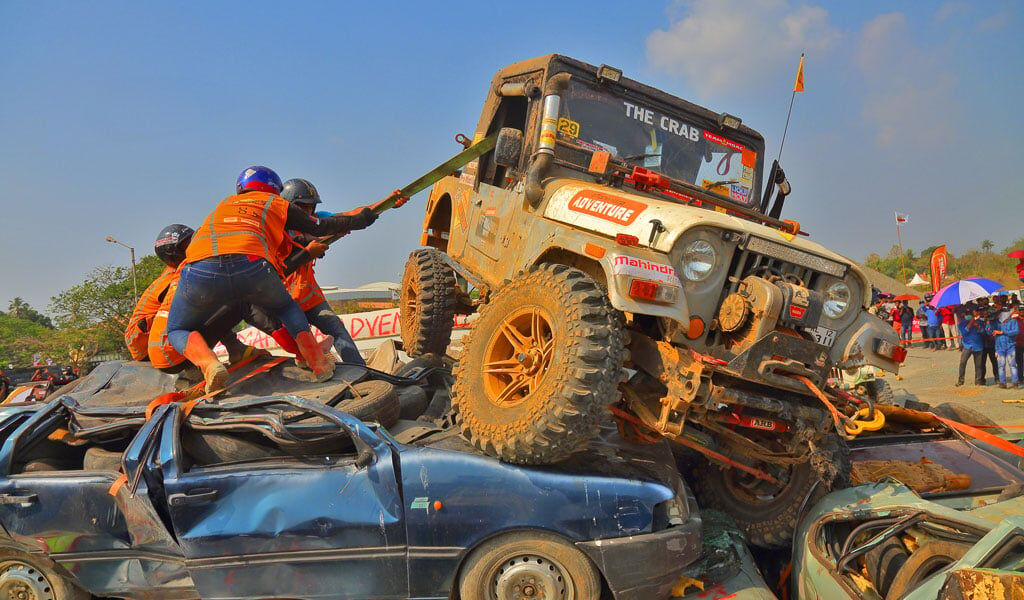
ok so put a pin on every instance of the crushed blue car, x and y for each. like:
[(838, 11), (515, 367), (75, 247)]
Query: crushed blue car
[(290, 496)]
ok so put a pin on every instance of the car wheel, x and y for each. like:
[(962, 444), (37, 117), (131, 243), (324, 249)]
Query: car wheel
[(926, 561), (533, 565), (539, 367), (767, 512), (427, 309), (33, 578)]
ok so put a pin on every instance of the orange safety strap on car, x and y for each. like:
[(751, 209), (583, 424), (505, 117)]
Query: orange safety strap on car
[(983, 436), (119, 483)]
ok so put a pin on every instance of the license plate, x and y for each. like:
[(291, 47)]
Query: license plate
[(824, 336)]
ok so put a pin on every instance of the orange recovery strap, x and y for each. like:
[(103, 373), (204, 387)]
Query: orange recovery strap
[(984, 436)]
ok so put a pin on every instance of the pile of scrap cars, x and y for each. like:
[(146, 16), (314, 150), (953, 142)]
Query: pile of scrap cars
[(645, 406)]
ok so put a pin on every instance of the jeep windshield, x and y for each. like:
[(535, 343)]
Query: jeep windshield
[(635, 131)]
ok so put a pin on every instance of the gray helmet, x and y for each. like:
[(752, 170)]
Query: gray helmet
[(300, 191)]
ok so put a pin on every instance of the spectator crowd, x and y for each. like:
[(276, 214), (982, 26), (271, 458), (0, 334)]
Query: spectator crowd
[(987, 331)]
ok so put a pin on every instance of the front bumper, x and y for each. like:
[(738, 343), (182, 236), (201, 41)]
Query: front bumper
[(646, 566)]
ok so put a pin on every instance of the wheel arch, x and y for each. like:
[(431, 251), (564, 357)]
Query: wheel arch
[(464, 556)]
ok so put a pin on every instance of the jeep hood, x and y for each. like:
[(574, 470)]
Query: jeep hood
[(610, 211)]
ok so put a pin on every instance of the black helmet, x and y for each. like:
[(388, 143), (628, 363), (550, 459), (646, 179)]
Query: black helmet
[(300, 191), (171, 243)]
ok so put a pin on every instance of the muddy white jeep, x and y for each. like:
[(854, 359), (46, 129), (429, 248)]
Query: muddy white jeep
[(625, 259)]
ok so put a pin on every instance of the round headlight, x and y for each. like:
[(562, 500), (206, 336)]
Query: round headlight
[(699, 259), (837, 299)]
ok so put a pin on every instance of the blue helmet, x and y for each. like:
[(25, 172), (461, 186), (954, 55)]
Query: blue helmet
[(260, 179)]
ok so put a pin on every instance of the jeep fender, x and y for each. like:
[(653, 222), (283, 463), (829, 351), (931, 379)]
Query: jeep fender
[(867, 334), (618, 265)]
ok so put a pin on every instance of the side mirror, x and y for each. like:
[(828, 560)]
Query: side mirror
[(509, 147)]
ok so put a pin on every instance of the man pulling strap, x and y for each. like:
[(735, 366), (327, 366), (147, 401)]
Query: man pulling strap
[(236, 257)]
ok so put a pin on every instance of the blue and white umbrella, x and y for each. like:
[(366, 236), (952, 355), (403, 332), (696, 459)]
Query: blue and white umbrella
[(965, 290)]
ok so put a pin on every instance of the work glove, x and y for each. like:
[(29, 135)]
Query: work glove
[(316, 249), (362, 219)]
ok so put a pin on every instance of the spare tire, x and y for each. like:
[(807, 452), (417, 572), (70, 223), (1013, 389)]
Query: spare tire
[(373, 401), (427, 309)]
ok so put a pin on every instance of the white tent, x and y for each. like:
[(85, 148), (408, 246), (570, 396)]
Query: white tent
[(918, 280)]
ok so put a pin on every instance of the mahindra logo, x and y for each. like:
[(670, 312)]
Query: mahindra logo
[(644, 264)]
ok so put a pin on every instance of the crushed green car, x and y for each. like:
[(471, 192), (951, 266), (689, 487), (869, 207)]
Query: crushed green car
[(884, 541)]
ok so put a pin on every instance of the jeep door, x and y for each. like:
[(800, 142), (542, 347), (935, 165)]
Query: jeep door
[(112, 544), (316, 526)]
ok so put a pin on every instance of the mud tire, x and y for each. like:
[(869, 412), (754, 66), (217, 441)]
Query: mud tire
[(770, 523), (884, 562), (490, 562), (562, 414), (427, 306)]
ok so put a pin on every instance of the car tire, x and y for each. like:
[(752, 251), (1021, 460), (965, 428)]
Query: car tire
[(412, 399), (884, 562), (427, 309), (373, 401), (35, 577), (769, 518), (539, 367), (881, 392), (555, 568), (924, 562)]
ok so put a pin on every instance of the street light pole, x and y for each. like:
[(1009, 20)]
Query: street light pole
[(135, 284)]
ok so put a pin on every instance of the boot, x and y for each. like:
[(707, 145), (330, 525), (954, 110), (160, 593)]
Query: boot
[(199, 353), (284, 340), (313, 355)]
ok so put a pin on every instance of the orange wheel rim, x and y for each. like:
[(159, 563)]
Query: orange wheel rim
[(518, 357), (410, 300)]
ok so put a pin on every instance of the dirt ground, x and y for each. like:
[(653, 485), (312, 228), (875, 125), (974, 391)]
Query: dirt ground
[(929, 377)]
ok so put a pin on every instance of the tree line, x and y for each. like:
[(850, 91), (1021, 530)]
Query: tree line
[(84, 320), (983, 261)]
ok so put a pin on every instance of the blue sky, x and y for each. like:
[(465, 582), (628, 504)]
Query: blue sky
[(118, 118)]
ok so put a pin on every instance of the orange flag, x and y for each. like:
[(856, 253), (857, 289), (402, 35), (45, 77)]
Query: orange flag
[(798, 85)]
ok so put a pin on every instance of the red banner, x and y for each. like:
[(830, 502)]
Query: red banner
[(938, 267)]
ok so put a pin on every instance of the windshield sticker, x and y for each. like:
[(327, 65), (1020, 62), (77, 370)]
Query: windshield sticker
[(608, 148), (749, 159), (606, 206), (568, 127), (652, 152), (665, 123), (723, 142)]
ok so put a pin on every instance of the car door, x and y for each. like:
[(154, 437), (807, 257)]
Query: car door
[(313, 527), (112, 544)]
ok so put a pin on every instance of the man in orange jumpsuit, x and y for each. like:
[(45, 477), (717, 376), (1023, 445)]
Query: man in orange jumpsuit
[(146, 322), (237, 257)]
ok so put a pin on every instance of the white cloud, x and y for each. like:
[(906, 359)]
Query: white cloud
[(722, 46), (948, 9), (993, 23), (908, 89)]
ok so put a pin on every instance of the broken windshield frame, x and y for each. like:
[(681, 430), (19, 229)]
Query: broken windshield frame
[(639, 131)]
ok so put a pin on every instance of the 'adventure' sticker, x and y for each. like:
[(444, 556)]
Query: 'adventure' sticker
[(607, 206)]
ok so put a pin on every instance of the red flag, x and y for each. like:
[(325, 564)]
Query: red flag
[(938, 267), (902, 218), (798, 85)]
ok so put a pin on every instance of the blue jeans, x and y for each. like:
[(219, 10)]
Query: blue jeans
[(229, 280), (906, 331), (326, 321), (1007, 367)]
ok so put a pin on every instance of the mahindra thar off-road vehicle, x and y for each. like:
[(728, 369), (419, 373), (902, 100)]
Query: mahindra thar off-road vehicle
[(626, 258)]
